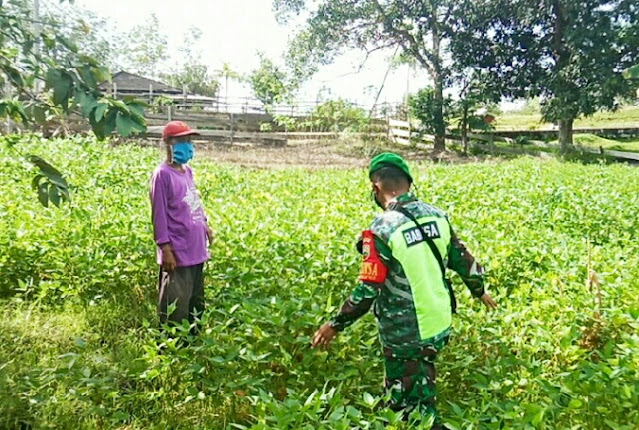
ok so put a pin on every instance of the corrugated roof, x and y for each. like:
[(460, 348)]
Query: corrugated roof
[(130, 82)]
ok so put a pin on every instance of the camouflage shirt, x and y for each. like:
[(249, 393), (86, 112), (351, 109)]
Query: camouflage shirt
[(394, 307)]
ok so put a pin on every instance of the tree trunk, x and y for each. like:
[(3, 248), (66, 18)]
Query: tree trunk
[(565, 135), (438, 115), (438, 80), (464, 130), (226, 92)]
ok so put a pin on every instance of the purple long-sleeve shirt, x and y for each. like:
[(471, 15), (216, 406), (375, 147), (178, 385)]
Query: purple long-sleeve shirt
[(178, 216)]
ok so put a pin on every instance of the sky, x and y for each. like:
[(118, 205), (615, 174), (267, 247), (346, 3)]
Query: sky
[(235, 30)]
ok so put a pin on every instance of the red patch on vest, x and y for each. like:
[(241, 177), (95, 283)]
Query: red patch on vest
[(373, 270)]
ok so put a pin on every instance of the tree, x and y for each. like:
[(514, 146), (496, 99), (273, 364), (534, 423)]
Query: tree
[(477, 92), (570, 53), (144, 48), (93, 35), (419, 28), (227, 73), (190, 74), (424, 108), (268, 82), (70, 86), (339, 115), (473, 98)]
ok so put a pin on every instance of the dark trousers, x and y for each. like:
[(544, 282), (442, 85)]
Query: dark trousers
[(410, 381), (184, 287)]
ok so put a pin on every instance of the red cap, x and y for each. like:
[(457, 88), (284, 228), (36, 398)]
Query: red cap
[(177, 129)]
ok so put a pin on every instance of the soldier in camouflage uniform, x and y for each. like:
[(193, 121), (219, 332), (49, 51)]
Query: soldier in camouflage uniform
[(405, 253)]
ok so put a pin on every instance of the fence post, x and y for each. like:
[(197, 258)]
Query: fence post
[(184, 96), (232, 128)]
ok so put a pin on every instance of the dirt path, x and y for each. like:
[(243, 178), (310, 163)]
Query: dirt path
[(319, 154)]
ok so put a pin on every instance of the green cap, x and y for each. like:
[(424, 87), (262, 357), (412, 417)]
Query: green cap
[(386, 159)]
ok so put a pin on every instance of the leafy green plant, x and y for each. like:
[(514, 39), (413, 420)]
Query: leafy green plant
[(425, 108), (339, 115), (71, 86), (79, 340)]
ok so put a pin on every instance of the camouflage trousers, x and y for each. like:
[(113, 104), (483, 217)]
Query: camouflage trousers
[(410, 381)]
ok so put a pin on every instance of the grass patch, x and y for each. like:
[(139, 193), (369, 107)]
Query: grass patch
[(627, 116), (592, 141)]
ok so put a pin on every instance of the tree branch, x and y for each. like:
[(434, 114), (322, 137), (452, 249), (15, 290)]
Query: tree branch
[(409, 39)]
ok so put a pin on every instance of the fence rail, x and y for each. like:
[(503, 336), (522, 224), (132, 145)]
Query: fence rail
[(227, 136), (238, 105), (516, 147), (403, 133)]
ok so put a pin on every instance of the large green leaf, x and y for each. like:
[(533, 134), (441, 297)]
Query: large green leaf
[(120, 105), (631, 72), (62, 84), (14, 75), (54, 195), (105, 126), (20, 112), (86, 74), (88, 60), (47, 170), (100, 111), (126, 125), (86, 102), (102, 74), (49, 183), (70, 45), (43, 193)]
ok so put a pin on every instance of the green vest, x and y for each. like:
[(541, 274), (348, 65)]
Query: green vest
[(430, 294), (413, 308)]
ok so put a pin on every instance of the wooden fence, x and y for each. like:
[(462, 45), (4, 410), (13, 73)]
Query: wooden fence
[(252, 121), (403, 133), (540, 145), (228, 136)]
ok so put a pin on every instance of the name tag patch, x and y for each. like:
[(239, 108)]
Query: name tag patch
[(414, 236)]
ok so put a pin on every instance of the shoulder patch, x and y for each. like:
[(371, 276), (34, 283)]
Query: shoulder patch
[(373, 270)]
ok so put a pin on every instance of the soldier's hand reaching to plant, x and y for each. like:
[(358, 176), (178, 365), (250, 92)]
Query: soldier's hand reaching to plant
[(488, 301), (323, 336)]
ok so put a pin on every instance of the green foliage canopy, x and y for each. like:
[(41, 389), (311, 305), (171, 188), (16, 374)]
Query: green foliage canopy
[(71, 85)]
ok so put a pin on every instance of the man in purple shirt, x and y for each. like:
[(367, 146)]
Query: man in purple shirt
[(180, 229)]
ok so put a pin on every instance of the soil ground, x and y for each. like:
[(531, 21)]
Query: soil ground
[(340, 154)]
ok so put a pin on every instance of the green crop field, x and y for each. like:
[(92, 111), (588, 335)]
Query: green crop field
[(78, 332)]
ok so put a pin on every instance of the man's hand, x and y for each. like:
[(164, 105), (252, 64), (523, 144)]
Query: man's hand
[(488, 301), (210, 235), (323, 336), (168, 259)]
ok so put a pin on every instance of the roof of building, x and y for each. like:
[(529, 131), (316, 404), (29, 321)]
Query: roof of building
[(130, 82)]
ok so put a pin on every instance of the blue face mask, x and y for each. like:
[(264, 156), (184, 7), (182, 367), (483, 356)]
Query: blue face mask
[(182, 152)]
